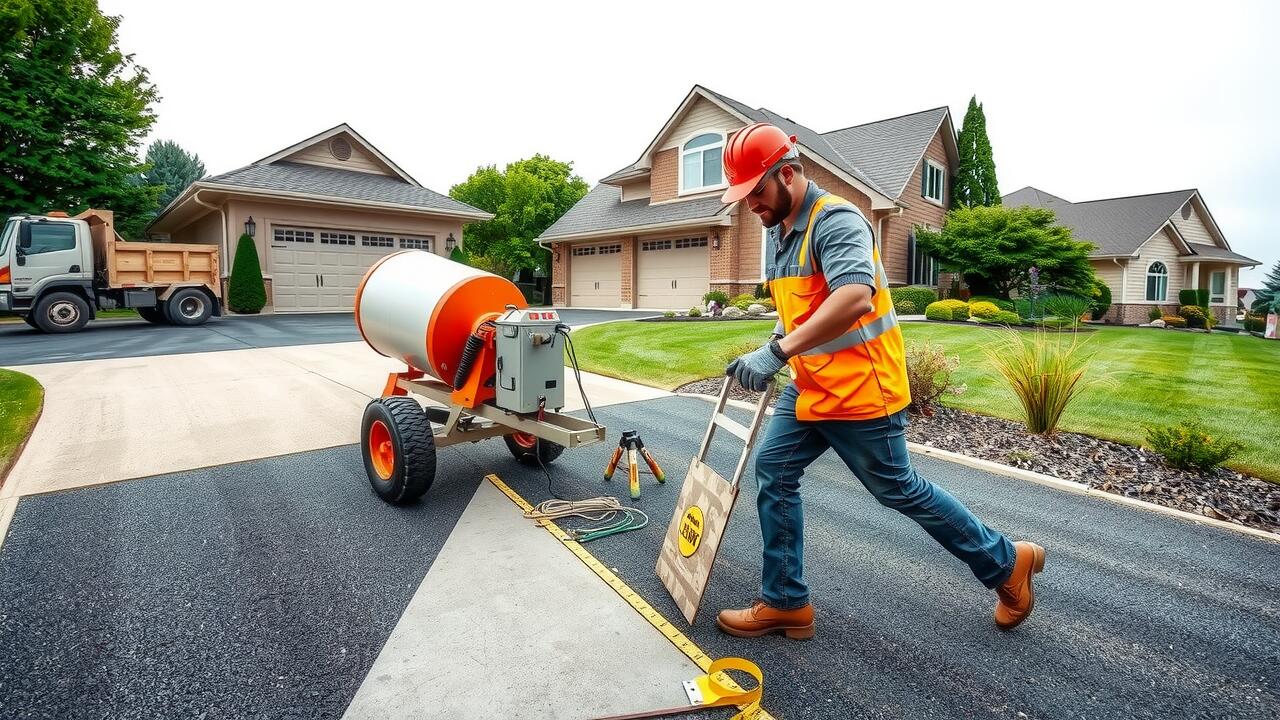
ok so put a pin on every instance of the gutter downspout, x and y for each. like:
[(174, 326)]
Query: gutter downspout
[(1124, 281), (226, 255)]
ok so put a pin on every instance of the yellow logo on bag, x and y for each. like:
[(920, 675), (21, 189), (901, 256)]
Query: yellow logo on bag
[(691, 531)]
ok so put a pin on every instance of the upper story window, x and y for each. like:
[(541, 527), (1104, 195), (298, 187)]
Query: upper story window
[(933, 181), (1157, 282), (700, 167)]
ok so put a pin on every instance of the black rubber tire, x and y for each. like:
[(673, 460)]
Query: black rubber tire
[(188, 306), (30, 319), (548, 451), (413, 444), (61, 312), (156, 315)]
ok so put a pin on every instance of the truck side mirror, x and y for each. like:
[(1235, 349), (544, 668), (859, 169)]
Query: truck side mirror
[(24, 243)]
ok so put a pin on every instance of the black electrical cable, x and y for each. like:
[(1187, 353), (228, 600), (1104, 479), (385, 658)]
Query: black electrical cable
[(577, 373), (537, 453)]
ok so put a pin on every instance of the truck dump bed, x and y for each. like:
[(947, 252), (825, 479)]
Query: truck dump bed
[(144, 264)]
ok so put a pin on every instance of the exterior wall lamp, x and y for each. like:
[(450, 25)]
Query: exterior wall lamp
[(250, 227)]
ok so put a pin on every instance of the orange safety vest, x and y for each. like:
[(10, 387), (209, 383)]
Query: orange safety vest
[(863, 373)]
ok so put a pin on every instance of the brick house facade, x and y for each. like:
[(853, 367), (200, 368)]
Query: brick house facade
[(648, 237)]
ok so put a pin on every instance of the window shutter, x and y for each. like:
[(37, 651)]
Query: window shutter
[(924, 178)]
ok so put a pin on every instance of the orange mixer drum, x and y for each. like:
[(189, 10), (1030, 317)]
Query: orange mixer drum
[(420, 308)]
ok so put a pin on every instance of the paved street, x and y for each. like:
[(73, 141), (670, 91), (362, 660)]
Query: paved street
[(21, 345), (268, 588)]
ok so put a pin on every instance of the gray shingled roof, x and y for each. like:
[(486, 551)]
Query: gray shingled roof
[(343, 184), (887, 150), (1217, 253), (1116, 226), (602, 209)]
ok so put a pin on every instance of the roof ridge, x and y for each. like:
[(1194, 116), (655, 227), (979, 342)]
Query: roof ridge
[(895, 117), (1140, 195)]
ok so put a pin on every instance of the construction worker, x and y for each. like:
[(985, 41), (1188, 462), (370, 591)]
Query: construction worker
[(838, 333)]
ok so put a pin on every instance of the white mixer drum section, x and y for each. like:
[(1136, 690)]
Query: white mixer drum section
[(420, 308)]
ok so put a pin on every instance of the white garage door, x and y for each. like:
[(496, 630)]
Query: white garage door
[(319, 270), (595, 276), (673, 274)]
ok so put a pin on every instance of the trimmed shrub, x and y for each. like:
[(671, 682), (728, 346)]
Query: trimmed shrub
[(743, 301), (904, 307), (1194, 315), (719, 296), (938, 311), (1006, 305), (246, 291), (1188, 296), (761, 291), (1174, 321), (1005, 317), (1154, 313), (1255, 323), (1202, 299), (695, 312), (929, 375), (1188, 445), (920, 296), (1045, 370), (1101, 299), (669, 314), (959, 308), (459, 255), (983, 309)]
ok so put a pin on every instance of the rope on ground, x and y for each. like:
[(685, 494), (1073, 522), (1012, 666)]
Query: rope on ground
[(608, 512)]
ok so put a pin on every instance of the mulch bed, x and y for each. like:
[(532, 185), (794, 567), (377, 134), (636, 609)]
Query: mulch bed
[(1101, 464)]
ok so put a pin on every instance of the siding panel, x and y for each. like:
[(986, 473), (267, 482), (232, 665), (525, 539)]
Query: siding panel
[(360, 161), (702, 115), (1193, 228), (1162, 248)]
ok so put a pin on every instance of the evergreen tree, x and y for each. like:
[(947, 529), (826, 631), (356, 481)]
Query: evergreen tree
[(1269, 293), (171, 167), (73, 111), (246, 292), (975, 182)]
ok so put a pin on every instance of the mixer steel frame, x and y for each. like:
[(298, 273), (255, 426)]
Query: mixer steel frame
[(464, 424)]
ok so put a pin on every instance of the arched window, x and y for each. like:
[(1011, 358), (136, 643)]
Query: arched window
[(1157, 282), (700, 163)]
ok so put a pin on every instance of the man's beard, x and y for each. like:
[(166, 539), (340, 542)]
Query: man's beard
[(780, 213)]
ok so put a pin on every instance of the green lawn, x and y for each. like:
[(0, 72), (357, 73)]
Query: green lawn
[(20, 400), (1230, 383)]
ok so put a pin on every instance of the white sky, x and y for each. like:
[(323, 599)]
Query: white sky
[(1084, 100)]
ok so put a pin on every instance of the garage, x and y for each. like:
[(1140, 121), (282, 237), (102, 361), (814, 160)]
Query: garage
[(595, 276), (317, 270), (672, 274)]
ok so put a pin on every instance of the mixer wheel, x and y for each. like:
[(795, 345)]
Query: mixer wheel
[(528, 449), (398, 448)]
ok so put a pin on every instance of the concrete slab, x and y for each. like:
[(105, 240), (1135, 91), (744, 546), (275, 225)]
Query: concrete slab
[(121, 418), (509, 624)]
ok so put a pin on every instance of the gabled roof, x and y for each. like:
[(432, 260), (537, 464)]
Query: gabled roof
[(890, 150), (602, 211), (277, 176), (1119, 226), (345, 184)]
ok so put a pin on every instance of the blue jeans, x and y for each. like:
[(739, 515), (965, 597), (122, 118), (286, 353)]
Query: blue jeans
[(876, 452)]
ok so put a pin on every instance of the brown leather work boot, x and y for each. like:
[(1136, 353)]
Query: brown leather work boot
[(760, 619), (1017, 597)]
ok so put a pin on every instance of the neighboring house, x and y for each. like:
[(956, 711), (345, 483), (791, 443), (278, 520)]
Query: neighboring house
[(655, 235), (1148, 247), (324, 210), (1248, 296)]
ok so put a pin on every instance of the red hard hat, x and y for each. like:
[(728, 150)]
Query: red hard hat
[(750, 153)]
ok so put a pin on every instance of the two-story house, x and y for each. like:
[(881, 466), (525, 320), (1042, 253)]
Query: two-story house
[(655, 235)]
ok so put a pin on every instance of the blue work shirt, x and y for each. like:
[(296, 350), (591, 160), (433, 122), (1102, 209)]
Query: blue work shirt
[(840, 246)]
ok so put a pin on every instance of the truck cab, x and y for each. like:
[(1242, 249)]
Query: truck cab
[(57, 271)]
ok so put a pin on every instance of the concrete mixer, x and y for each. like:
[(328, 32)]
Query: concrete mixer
[(493, 366)]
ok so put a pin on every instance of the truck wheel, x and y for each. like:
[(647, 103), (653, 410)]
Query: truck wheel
[(154, 315), (188, 306), (528, 449), (30, 320), (398, 448), (61, 312)]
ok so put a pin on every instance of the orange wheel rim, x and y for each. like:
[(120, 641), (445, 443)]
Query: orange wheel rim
[(381, 450), (525, 440)]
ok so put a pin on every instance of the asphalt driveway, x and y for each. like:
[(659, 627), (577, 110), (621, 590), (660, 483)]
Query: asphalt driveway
[(267, 588), (21, 345)]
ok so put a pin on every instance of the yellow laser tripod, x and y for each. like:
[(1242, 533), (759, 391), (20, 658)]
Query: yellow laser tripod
[(631, 443)]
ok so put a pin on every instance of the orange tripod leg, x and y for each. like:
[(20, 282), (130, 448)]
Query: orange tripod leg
[(634, 471), (653, 466), (613, 463)]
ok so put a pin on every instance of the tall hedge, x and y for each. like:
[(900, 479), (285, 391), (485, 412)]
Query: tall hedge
[(247, 292), (1102, 301)]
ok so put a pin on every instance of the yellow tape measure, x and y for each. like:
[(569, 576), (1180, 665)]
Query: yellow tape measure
[(750, 708)]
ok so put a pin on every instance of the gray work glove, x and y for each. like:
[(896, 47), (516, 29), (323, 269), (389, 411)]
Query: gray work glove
[(778, 331), (755, 370)]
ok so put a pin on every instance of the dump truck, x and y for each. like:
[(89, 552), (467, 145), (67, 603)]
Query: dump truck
[(57, 271)]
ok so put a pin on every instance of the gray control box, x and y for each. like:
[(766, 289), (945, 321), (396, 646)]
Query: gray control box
[(530, 360)]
